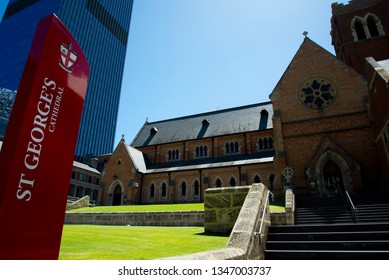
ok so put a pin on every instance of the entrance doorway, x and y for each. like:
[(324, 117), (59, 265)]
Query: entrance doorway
[(333, 179), (117, 196)]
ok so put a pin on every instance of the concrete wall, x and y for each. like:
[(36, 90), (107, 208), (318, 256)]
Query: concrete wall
[(168, 218)]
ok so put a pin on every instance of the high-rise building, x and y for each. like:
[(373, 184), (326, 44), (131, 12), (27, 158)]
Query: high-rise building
[(101, 27)]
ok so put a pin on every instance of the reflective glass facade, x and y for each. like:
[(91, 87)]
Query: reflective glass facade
[(101, 27)]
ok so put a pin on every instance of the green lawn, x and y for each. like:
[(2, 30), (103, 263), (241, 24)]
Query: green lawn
[(93, 242)]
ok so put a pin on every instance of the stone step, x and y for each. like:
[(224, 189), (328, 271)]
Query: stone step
[(325, 255)]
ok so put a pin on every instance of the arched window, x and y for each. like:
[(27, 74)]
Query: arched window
[(257, 179), (183, 188), (232, 182), (152, 191), (232, 148), (260, 144), (265, 144), (218, 183), (372, 26), (270, 143), (173, 154), (360, 30), (163, 190), (264, 119), (196, 188), (201, 151)]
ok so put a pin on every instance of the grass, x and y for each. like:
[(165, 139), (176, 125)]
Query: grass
[(276, 206), (93, 242)]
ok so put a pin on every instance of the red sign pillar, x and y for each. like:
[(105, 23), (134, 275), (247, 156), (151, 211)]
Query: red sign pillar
[(36, 158)]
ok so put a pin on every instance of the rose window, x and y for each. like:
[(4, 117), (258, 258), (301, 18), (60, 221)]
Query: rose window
[(317, 93)]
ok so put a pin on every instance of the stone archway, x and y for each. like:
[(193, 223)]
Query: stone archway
[(333, 179), (115, 193), (334, 174), (117, 196)]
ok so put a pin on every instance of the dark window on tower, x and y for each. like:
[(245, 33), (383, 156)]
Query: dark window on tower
[(372, 25), (360, 30)]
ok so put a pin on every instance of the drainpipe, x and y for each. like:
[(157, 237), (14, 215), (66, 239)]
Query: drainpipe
[(240, 175), (141, 188), (201, 185)]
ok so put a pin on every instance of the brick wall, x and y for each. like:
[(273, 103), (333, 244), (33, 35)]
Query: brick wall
[(304, 130)]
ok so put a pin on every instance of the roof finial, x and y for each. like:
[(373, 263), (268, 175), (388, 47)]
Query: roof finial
[(123, 138), (305, 33)]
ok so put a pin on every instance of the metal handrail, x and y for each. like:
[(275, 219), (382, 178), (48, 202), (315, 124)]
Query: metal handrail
[(353, 209), (265, 210)]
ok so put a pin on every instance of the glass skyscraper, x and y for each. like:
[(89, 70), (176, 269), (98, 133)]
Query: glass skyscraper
[(101, 27)]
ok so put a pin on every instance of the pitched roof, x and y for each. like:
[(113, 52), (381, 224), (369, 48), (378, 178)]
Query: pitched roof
[(216, 123), (85, 167), (137, 158)]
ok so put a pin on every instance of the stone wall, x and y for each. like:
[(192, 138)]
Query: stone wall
[(222, 207), (245, 242), (168, 218), (82, 202)]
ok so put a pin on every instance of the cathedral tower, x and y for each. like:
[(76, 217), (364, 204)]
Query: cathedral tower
[(360, 29)]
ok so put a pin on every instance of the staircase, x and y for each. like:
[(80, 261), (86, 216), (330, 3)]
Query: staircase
[(324, 230)]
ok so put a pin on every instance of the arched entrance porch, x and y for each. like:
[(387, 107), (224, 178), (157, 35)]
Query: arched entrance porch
[(333, 179), (334, 174), (115, 193), (117, 196)]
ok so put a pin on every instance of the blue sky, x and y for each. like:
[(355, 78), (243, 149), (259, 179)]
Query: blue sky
[(188, 57), (3, 5)]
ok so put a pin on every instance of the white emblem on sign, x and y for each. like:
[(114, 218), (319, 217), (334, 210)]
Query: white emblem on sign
[(68, 57)]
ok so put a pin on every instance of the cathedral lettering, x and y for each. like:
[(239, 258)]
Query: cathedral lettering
[(49, 102)]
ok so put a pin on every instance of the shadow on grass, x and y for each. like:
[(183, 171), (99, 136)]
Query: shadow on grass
[(213, 234)]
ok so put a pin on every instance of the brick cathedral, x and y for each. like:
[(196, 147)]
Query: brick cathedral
[(324, 131)]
